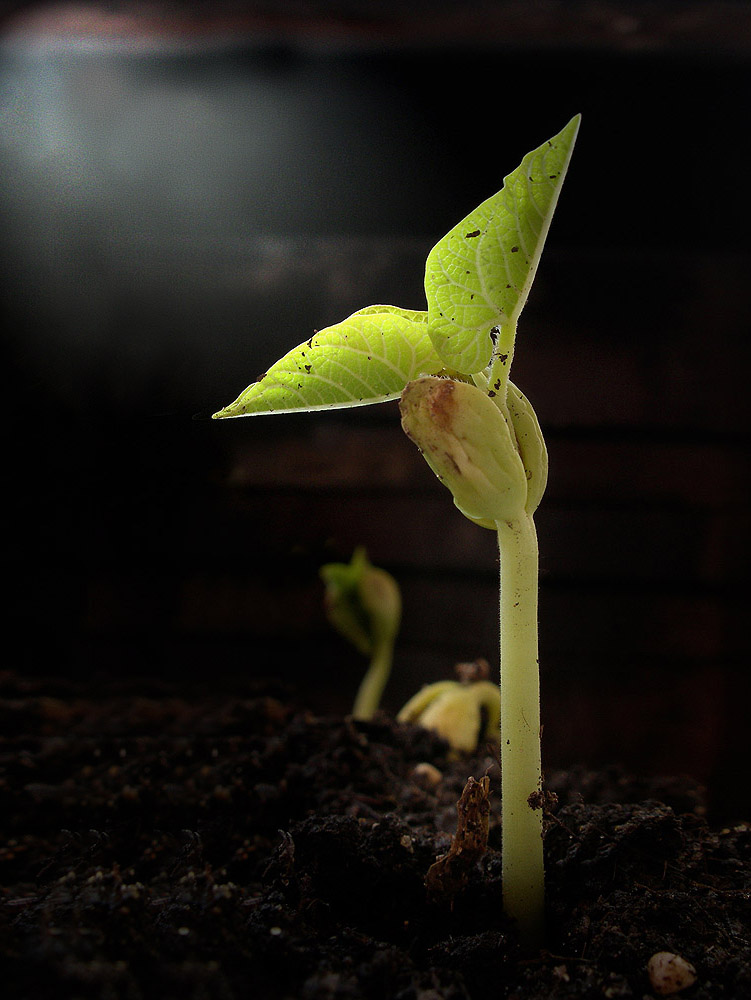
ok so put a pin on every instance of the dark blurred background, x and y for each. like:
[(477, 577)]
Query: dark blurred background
[(187, 191)]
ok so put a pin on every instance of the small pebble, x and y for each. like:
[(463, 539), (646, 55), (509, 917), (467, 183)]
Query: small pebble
[(427, 775), (669, 973)]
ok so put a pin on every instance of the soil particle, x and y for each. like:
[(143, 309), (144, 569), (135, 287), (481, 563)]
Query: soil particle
[(670, 974), (169, 843)]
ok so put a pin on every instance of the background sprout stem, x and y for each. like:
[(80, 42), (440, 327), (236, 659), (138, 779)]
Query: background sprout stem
[(369, 693), (521, 772)]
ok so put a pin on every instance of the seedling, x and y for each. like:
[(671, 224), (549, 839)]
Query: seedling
[(364, 605), (478, 432), (464, 712)]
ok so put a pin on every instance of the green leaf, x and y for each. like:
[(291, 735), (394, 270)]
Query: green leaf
[(478, 276), (362, 602), (416, 315), (367, 358)]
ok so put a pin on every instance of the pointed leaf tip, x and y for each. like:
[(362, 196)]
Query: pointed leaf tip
[(477, 278)]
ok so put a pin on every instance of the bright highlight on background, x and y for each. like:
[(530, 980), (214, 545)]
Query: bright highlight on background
[(146, 183)]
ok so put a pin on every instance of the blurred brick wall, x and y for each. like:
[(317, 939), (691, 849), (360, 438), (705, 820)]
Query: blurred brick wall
[(210, 555)]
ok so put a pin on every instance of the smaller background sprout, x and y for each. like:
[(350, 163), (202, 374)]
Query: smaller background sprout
[(465, 712), (364, 605)]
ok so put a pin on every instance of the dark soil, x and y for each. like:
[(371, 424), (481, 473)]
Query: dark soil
[(172, 843)]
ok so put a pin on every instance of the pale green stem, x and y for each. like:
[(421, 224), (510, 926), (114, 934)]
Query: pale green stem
[(371, 687), (521, 773)]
